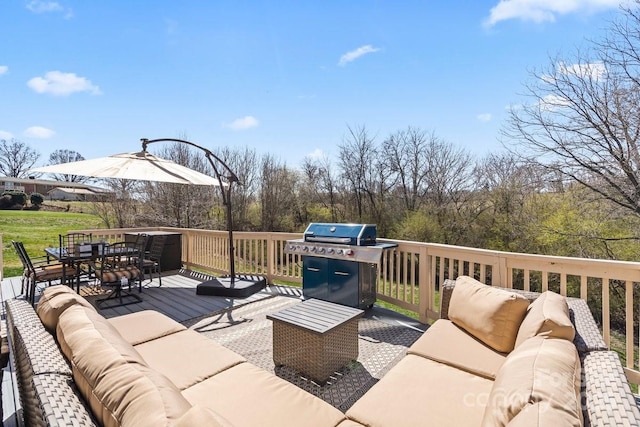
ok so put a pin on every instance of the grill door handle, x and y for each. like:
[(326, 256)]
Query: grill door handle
[(341, 273), (313, 269)]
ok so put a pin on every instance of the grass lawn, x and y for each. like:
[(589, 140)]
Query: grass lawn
[(37, 230)]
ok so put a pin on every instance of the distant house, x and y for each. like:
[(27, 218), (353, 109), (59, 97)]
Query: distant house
[(54, 190), (77, 194)]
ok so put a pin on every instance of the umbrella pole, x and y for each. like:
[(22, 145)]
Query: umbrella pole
[(233, 287), (232, 264)]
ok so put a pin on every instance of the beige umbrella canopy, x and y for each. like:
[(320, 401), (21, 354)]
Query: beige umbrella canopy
[(141, 166), (147, 167)]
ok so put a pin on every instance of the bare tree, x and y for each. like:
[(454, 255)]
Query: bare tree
[(277, 195), (243, 162), (582, 119), (406, 152), (119, 208), (16, 158), (320, 188), (66, 156), (180, 205)]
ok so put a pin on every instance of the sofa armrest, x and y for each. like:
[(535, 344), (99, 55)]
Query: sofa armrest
[(446, 289), (48, 395), (588, 336), (606, 396)]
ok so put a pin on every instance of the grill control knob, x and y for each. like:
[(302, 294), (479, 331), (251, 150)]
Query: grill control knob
[(305, 248), (321, 250), (313, 248), (330, 250)]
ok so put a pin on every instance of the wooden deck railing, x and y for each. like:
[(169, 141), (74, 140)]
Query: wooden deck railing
[(411, 273)]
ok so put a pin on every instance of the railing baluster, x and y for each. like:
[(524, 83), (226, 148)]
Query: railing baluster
[(606, 320), (628, 285)]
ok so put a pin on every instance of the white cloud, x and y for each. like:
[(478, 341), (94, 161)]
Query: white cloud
[(484, 117), (316, 154), (243, 123), (543, 10), (37, 6), (62, 84), (5, 135), (553, 102), (38, 132), (3, 69), (355, 54), (593, 70)]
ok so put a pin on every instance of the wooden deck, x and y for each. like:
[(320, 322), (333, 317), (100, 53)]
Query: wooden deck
[(177, 299)]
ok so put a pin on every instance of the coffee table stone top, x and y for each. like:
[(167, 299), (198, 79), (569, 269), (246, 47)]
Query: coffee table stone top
[(317, 316)]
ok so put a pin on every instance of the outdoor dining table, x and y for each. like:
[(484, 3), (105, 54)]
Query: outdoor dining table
[(85, 252)]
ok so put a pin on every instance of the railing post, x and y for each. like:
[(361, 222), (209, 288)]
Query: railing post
[(271, 258), (186, 247), (1, 258), (426, 286)]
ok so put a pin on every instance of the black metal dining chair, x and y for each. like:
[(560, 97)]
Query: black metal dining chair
[(150, 260), (40, 270), (118, 268), (76, 245)]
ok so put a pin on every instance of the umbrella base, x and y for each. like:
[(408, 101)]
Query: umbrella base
[(242, 286)]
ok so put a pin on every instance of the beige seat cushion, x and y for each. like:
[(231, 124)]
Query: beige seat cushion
[(54, 301), (187, 357), (112, 377), (491, 314), (548, 315), (202, 416), (447, 343), (419, 392), (146, 325), (246, 395), (541, 369)]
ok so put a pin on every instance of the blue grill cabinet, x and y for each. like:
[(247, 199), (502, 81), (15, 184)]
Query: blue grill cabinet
[(339, 262), (348, 283)]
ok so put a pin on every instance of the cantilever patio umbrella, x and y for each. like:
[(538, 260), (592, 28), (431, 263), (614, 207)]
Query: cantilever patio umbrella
[(141, 166), (144, 166)]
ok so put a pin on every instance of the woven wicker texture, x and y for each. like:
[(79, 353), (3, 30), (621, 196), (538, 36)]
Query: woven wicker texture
[(62, 407), (609, 401), (315, 355), (381, 345), (47, 394)]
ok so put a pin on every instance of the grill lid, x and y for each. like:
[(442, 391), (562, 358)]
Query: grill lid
[(346, 234)]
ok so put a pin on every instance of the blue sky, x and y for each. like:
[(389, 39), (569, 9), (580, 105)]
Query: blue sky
[(283, 77)]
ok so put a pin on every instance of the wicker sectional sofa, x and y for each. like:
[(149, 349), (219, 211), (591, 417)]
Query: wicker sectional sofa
[(554, 369), (74, 367)]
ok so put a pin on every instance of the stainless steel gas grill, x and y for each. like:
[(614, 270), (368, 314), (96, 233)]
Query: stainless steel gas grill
[(340, 262)]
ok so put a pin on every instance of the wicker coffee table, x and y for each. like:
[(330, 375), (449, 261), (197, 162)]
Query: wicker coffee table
[(315, 337)]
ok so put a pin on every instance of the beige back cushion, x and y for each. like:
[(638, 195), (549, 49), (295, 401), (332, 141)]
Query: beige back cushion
[(541, 370), (548, 315), (542, 415), (490, 314), (112, 376), (54, 301)]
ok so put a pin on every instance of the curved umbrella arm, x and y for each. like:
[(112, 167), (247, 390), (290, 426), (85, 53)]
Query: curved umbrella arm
[(230, 177)]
